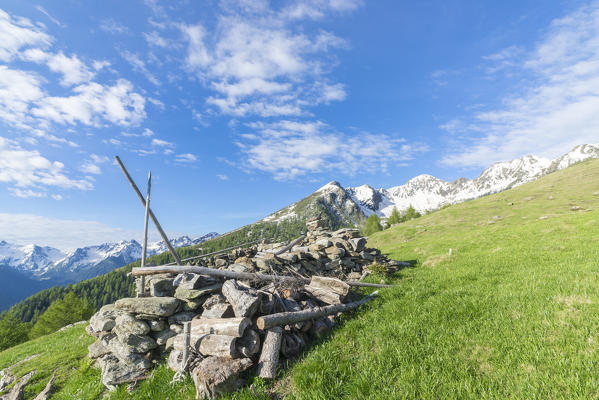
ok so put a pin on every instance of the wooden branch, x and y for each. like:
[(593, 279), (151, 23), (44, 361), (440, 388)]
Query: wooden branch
[(269, 358), (143, 202), (215, 252), (178, 269), (248, 276), (220, 326), (289, 246), (286, 318)]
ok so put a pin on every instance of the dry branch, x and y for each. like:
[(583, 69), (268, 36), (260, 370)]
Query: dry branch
[(286, 318)]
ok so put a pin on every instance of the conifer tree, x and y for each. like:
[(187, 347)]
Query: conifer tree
[(373, 224), (62, 312), (394, 218)]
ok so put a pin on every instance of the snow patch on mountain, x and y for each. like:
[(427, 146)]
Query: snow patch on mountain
[(49, 263)]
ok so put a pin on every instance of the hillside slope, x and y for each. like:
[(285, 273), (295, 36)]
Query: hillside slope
[(510, 314)]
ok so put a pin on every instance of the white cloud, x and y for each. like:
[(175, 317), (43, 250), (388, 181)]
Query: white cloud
[(260, 63), (154, 39), (19, 33), (92, 102), (29, 169), (111, 26), (72, 69), (18, 90), (185, 158), (290, 149), (555, 105), (162, 143), (92, 165), (26, 193), (147, 132), (222, 177), (139, 66), (50, 17)]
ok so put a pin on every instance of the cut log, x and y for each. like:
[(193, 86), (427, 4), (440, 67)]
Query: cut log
[(217, 345), (249, 344), (220, 326), (292, 294), (217, 376), (328, 290), (269, 358), (244, 303), (286, 318)]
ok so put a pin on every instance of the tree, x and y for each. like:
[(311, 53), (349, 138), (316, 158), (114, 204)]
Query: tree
[(411, 213), (373, 224), (12, 331), (395, 218), (62, 312)]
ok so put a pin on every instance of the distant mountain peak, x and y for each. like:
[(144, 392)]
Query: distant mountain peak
[(426, 192)]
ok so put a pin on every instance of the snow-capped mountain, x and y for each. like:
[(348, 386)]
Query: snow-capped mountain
[(47, 263), (344, 206)]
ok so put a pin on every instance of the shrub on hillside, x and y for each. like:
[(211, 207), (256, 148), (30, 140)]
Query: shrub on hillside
[(12, 331)]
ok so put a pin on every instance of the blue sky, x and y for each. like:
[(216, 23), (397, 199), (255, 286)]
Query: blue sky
[(240, 108)]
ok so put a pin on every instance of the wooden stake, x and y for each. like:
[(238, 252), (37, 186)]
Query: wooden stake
[(143, 202), (287, 318), (269, 358), (186, 335)]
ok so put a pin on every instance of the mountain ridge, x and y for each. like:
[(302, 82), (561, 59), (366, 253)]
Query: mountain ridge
[(352, 205), (47, 263)]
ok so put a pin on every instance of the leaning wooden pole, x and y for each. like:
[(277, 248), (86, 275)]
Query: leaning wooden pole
[(289, 246), (245, 276), (142, 281), (143, 202), (287, 318)]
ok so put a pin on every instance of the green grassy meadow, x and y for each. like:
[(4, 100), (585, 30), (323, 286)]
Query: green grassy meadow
[(512, 313)]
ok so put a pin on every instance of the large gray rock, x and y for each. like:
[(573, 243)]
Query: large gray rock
[(128, 324), (97, 349), (157, 325), (185, 294), (358, 244), (116, 372), (160, 306), (162, 287), (181, 317), (175, 360), (162, 337), (104, 320), (190, 280), (137, 343)]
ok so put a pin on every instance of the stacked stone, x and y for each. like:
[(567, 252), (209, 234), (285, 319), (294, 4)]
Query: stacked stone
[(135, 333)]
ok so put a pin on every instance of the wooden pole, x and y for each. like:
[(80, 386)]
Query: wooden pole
[(143, 202), (142, 290), (290, 245), (187, 336), (248, 276), (287, 318), (216, 252)]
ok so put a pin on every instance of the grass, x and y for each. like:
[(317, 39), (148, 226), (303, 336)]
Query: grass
[(512, 313)]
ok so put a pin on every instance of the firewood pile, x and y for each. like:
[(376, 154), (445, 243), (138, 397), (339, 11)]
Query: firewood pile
[(252, 308)]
